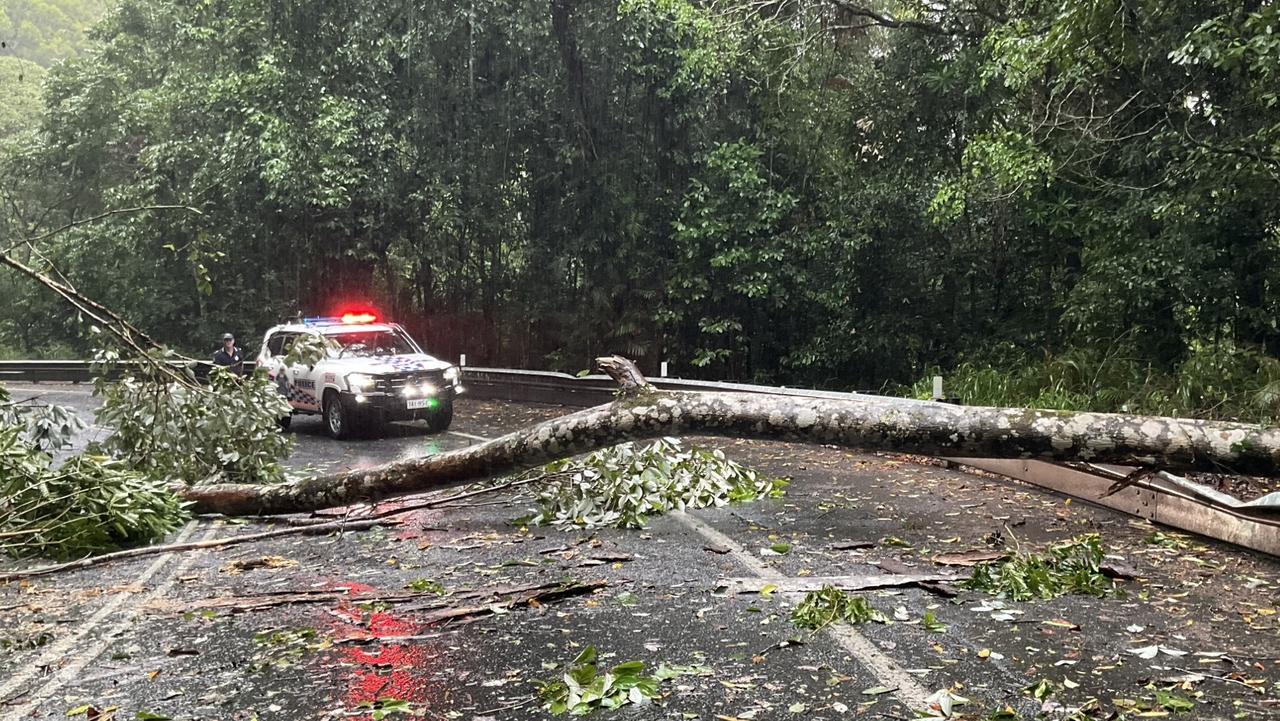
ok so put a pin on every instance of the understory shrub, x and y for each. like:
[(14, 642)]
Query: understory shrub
[(1219, 381)]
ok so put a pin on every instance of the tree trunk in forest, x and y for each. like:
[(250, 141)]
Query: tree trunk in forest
[(641, 411), (579, 94)]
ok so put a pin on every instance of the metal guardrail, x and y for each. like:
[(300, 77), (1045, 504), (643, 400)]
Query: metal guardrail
[(1163, 499), (590, 390), (45, 370), (69, 371)]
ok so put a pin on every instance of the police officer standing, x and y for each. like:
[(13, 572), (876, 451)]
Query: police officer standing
[(229, 356)]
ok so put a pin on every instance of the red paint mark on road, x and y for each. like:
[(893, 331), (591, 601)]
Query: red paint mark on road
[(386, 625), (392, 672), (398, 670)]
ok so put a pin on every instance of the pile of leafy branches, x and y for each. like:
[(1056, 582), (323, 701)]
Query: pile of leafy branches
[(166, 425), (583, 688), (88, 503), (829, 605), (46, 428), (621, 486), (1070, 567)]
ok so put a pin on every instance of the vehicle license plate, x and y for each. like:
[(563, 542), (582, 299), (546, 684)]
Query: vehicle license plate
[(417, 403)]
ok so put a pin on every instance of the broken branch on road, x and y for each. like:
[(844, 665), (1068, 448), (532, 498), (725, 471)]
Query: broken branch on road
[(316, 529), (500, 596), (805, 584)]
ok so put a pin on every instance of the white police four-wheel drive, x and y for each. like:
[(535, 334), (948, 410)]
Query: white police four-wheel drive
[(370, 373)]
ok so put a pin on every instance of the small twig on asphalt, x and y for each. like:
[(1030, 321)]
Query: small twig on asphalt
[(785, 643), (508, 707), (481, 504), (441, 608), (362, 640), (567, 546), (1223, 679)]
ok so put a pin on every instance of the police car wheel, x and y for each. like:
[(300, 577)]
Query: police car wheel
[(338, 419), (440, 418)]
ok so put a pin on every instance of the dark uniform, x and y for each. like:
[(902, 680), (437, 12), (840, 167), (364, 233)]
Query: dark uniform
[(233, 359)]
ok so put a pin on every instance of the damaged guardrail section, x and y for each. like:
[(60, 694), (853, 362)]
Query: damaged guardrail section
[(1159, 497)]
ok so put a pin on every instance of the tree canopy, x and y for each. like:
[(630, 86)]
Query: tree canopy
[(801, 191), (20, 87), (45, 31)]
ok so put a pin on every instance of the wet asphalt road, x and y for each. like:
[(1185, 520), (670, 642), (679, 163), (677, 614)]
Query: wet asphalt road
[(142, 636)]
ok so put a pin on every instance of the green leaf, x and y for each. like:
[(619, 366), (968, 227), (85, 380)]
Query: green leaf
[(1173, 702), (931, 624), (1041, 690)]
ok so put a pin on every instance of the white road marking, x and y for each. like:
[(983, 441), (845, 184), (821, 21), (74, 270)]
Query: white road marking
[(58, 652), (468, 436), (887, 671)]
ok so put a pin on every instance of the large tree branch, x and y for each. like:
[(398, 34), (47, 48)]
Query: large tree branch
[(134, 339), (642, 412), (105, 215)]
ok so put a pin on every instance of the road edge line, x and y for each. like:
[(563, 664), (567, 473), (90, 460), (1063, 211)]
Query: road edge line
[(58, 650), (885, 669)]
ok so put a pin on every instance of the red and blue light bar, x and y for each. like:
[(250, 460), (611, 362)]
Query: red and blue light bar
[(354, 317)]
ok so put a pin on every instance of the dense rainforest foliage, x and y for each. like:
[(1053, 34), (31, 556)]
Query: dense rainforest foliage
[(1081, 196), (45, 31)]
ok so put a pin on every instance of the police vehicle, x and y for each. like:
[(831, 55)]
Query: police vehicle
[(369, 373)]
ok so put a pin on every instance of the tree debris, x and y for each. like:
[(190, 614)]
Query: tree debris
[(806, 584), (829, 605), (500, 596), (356, 522), (1073, 566)]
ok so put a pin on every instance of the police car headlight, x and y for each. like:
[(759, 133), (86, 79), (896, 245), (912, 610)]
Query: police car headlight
[(360, 381), (452, 374)]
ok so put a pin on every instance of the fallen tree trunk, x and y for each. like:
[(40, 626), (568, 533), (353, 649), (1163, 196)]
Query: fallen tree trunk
[(642, 412)]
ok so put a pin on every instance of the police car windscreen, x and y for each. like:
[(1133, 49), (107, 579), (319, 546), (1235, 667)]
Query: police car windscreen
[(372, 342)]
